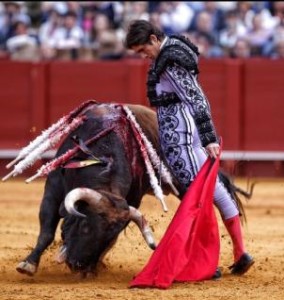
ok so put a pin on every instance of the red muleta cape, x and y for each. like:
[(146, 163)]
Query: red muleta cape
[(189, 249)]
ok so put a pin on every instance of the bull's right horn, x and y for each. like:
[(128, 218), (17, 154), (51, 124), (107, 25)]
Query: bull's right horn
[(138, 218), (61, 255), (88, 195)]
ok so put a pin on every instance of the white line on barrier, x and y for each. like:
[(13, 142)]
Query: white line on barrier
[(226, 155)]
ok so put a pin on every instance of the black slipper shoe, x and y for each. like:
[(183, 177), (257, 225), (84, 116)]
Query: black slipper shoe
[(242, 265)]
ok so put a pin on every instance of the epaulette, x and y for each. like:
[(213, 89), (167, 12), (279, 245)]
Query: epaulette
[(187, 41), (182, 53)]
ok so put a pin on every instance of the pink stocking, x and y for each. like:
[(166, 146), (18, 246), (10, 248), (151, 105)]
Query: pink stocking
[(233, 226)]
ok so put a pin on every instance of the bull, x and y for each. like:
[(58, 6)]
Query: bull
[(96, 183)]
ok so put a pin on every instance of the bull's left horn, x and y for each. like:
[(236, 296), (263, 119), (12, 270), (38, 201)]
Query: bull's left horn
[(138, 218), (88, 195)]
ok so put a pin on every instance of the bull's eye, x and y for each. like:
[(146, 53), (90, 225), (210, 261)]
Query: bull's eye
[(85, 229)]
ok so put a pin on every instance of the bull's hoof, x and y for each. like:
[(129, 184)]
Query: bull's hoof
[(27, 268)]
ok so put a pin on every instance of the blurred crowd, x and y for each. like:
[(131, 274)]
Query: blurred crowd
[(89, 30)]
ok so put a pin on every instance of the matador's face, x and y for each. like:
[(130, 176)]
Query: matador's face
[(149, 50)]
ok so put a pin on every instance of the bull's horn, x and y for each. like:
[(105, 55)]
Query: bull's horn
[(88, 195), (138, 218), (61, 255)]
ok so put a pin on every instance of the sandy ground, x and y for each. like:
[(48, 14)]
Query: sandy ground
[(264, 236)]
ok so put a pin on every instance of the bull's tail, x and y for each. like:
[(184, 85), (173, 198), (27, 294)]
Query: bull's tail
[(246, 194), (235, 191)]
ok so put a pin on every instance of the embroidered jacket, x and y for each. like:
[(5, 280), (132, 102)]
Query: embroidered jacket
[(180, 58)]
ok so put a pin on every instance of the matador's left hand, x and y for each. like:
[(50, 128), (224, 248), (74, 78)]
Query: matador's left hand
[(213, 150)]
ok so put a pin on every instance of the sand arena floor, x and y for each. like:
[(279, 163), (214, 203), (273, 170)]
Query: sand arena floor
[(264, 236)]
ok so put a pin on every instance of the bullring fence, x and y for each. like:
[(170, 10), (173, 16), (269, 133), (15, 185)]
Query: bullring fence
[(246, 98)]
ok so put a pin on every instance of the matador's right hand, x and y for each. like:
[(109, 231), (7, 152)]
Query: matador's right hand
[(213, 150)]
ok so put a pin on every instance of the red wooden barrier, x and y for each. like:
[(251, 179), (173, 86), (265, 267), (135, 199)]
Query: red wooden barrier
[(245, 97), (72, 83), (221, 81), (262, 120), (22, 100)]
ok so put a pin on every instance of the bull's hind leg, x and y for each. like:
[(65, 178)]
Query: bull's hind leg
[(49, 218)]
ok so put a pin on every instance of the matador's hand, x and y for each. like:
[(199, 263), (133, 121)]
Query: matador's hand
[(213, 150)]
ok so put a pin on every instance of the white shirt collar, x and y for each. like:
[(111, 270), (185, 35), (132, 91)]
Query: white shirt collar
[(163, 42)]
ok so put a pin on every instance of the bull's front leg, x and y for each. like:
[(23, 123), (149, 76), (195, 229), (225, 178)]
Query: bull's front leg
[(49, 218)]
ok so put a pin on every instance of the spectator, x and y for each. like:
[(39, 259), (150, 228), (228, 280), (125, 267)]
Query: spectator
[(276, 37), (242, 49), (155, 19), (234, 29), (278, 50), (135, 10), (3, 52), (205, 21), (87, 25), (276, 9), (258, 36), (204, 25), (207, 47), (262, 8), (226, 6), (197, 6), (114, 10), (23, 46), (47, 6), (176, 16), (106, 41), (245, 13), (217, 15), (46, 34), (68, 39), (12, 11)]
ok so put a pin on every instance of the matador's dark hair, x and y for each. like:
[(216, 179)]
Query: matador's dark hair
[(139, 32)]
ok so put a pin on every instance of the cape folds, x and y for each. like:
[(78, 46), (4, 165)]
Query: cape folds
[(189, 249)]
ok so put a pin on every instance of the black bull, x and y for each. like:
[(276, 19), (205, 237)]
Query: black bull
[(98, 201)]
